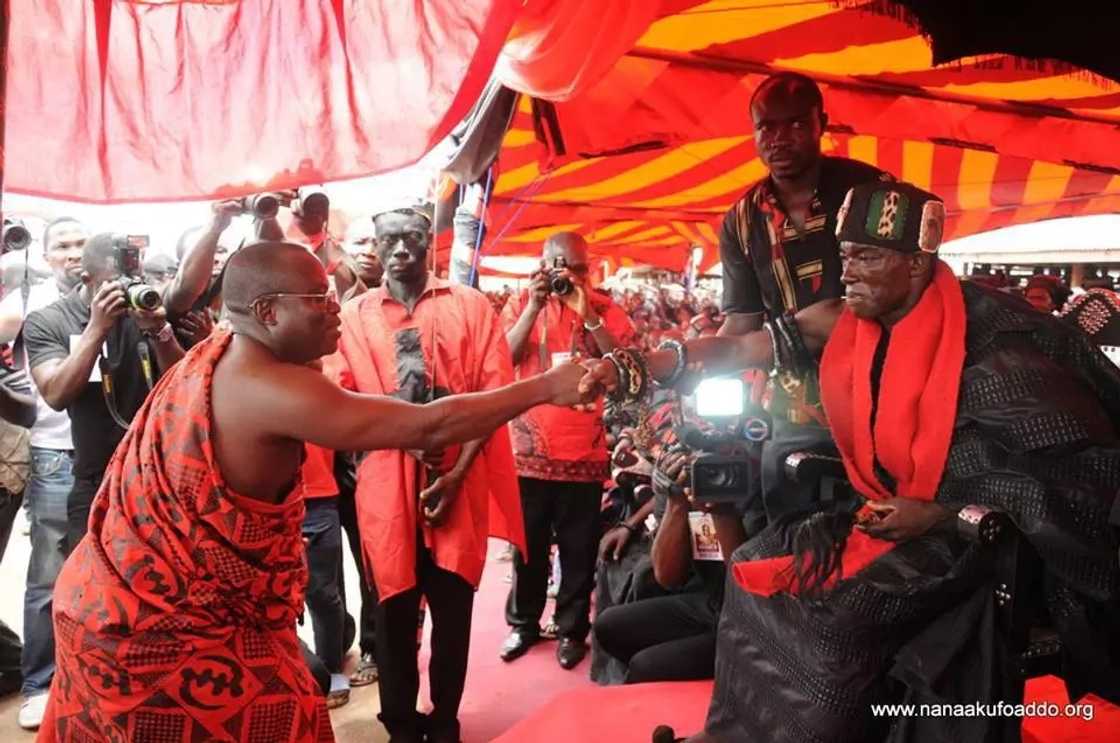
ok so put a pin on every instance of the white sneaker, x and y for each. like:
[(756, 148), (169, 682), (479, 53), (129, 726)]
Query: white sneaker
[(32, 710)]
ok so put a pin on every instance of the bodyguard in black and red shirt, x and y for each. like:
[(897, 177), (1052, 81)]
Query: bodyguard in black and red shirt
[(779, 253)]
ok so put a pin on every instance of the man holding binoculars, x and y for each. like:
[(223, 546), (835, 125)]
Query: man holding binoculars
[(96, 353)]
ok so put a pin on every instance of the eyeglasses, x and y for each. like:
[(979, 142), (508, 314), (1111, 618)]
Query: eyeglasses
[(322, 302), (413, 239)]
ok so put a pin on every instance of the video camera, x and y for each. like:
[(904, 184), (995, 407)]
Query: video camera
[(16, 236), (559, 283), (127, 250), (723, 472)]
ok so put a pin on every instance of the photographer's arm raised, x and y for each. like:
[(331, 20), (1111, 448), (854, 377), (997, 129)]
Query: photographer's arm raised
[(193, 277)]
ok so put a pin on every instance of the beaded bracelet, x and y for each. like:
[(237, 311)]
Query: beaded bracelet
[(633, 374), (619, 395), (639, 374), (679, 366)]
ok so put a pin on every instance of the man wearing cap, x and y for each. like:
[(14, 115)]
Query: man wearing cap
[(779, 254), (424, 517), (939, 396)]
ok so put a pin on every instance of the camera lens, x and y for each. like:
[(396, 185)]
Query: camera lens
[(265, 206), (144, 297), (16, 236), (719, 477), (561, 285)]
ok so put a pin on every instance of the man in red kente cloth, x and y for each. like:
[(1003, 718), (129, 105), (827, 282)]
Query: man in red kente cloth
[(425, 516), (939, 396), (175, 616)]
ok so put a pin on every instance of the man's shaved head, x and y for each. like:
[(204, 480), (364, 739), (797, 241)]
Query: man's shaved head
[(267, 267), (567, 245)]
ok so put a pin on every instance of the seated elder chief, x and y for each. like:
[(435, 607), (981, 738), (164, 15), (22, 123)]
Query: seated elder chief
[(938, 395), (176, 615)]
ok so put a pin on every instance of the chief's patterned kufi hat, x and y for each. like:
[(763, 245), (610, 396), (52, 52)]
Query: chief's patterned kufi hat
[(893, 215)]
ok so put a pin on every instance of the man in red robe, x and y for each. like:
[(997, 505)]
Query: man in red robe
[(175, 615), (425, 516)]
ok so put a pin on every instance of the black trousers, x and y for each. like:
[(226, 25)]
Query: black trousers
[(77, 509), (570, 510), (325, 602), (450, 602), (348, 516), (667, 638)]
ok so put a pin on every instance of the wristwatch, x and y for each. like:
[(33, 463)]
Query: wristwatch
[(163, 335), (593, 328)]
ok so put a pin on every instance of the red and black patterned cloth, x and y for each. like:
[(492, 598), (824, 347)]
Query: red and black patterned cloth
[(175, 617)]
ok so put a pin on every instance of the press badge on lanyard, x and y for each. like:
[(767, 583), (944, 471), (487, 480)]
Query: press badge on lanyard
[(705, 546)]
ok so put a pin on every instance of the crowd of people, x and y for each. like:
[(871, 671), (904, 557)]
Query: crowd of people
[(193, 464)]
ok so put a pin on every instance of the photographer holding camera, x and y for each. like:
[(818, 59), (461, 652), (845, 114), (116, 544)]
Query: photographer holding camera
[(310, 215), (52, 455), (96, 353), (673, 637), (561, 454)]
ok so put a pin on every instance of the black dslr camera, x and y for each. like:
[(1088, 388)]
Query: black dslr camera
[(127, 252), (15, 236), (559, 283), (724, 470)]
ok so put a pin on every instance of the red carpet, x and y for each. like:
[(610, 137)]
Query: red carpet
[(628, 714), (619, 714), (533, 700)]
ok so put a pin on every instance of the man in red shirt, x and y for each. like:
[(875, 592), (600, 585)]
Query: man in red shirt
[(562, 458), (424, 517)]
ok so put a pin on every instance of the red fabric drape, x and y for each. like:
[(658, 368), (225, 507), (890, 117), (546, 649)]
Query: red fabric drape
[(112, 100), (559, 48)]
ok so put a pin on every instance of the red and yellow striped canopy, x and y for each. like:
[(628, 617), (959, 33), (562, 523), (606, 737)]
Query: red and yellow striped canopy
[(646, 159)]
